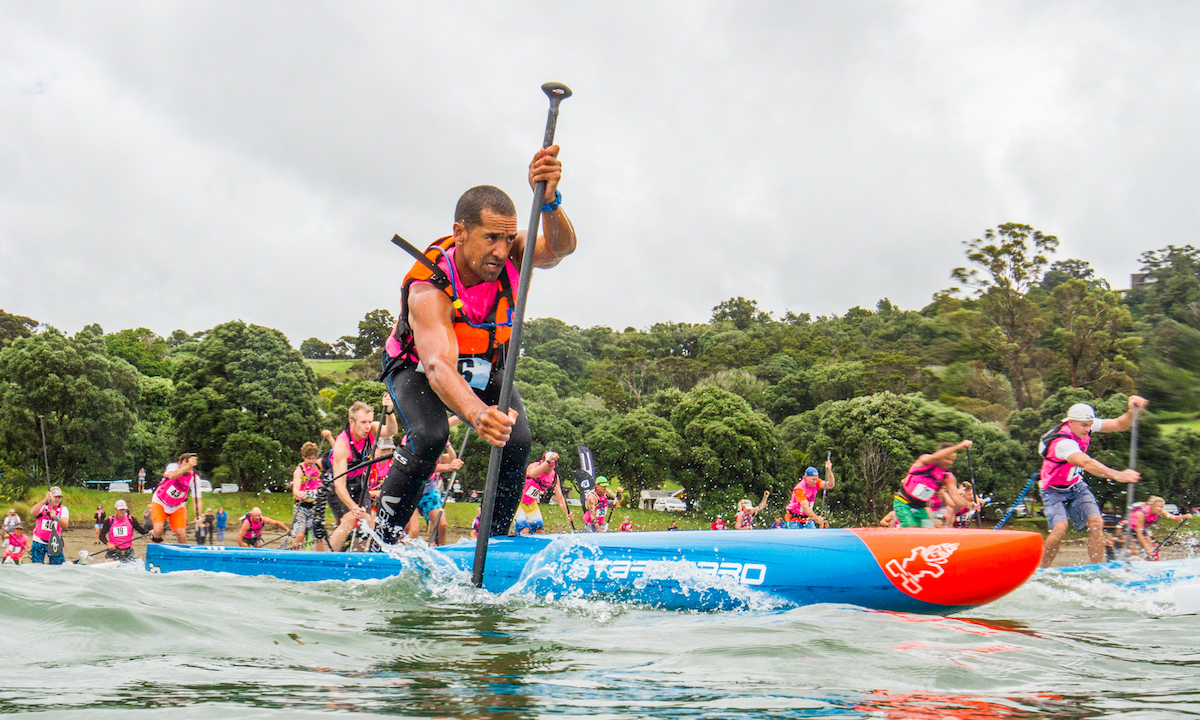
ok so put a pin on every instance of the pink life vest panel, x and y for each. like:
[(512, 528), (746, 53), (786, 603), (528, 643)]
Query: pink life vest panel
[(1147, 518), (358, 452), (120, 532), (310, 484), (601, 514), (46, 522), (255, 530), (1060, 473), (921, 486), (808, 491), (15, 547), (173, 494), (535, 486)]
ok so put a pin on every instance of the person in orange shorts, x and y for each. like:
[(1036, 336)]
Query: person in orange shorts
[(169, 504)]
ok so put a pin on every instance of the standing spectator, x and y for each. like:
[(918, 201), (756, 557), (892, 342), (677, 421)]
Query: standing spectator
[(51, 517), (210, 527), (718, 524), (117, 533), (100, 516), (222, 518), (11, 520), (778, 523), (142, 480), (626, 526)]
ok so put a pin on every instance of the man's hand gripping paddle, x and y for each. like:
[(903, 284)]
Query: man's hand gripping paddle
[(557, 92)]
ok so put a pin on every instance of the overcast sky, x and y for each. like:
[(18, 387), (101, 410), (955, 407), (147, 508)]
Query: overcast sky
[(177, 165)]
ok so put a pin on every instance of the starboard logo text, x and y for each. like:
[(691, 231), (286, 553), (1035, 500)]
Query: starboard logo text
[(742, 573)]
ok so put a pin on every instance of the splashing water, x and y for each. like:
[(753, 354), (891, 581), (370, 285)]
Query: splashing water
[(116, 641)]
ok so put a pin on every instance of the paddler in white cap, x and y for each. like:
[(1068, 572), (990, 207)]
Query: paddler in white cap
[(1065, 493), (117, 533)]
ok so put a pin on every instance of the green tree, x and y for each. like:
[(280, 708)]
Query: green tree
[(1008, 262), (243, 379), (1063, 270), (316, 349), (15, 326), (1092, 331), (152, 443), (373, 329), (141, 348), (740, 311), (728, 449), (87, 399), (1173, 284), (639, 447)]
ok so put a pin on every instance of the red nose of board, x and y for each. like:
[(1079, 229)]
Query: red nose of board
[(954, 567)]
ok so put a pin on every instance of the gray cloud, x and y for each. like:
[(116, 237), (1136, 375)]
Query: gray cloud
[(181, 164)]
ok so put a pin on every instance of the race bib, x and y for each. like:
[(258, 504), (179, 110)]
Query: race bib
[(176, 494), (476, 371), (120, 532), (922, 492), (49, 523), (310, 495), (534, 492)]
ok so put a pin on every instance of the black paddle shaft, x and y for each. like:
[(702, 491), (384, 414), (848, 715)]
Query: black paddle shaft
[(557, 92)]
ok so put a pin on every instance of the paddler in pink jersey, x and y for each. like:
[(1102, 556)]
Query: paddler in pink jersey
[(306, 483), (744, 519), (117, 533), (15, 544), (598, 503), (169, 503), (253, 523), (1146, 515), (352, 447), (801, 510), (926, 479), (50, 517), (1065, 494), (540, 477)]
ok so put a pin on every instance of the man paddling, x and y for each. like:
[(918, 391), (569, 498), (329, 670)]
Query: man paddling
[(450, 340), (1065, 494), (117, 533), (253, 523), (926, 479), (1147, 514), (50, 519), (801, 511), (169, 504), (540, 477), (354, 445)]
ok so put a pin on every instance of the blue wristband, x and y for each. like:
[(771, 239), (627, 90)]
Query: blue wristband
[(551, 207)]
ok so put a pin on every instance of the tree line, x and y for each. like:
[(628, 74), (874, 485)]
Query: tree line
[(727, 408)]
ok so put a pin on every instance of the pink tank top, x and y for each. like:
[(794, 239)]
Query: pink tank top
[(535, 486), (358, 452), (45, 524), (1060, 473), (809, 492), (312, 478), (120, 532), (172, 494), (16, 546), (923, 482)]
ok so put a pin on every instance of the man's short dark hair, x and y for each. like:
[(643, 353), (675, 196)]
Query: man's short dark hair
[(473, 202)]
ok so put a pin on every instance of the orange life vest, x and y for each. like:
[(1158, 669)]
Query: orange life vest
[(474, 340)]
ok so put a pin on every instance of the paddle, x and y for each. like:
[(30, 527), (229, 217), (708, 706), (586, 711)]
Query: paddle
[(828, 458), (1169, 536), (1129, 497), (974, 490), (1013, 508), (557, 92)]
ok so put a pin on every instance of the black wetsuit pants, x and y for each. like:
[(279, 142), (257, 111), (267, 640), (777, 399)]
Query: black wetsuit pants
[(424, 418)]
